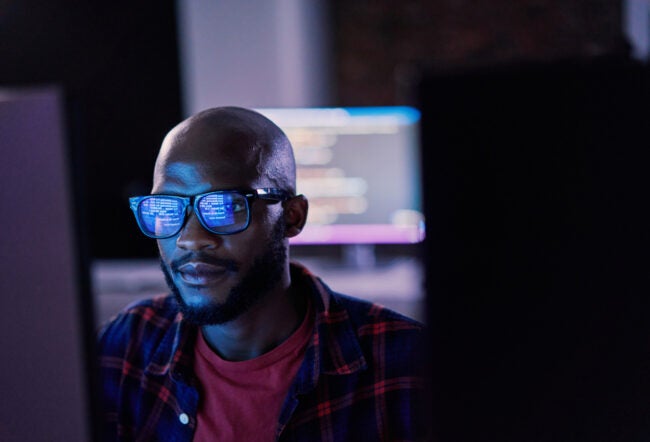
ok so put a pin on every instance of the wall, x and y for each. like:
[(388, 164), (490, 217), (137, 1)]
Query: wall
[(381, 45), (262, 53)]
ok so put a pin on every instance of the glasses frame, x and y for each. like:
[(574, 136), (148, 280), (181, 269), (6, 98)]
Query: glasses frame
[(190, 203)]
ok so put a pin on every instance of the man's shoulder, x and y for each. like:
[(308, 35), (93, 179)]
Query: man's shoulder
[(339, 307), (148, 319), (364, 312), (377, 328), (156, 310)]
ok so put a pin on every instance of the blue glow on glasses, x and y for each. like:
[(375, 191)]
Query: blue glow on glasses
[(223, 212)]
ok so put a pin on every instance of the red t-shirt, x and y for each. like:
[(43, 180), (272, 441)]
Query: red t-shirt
[(242, 400)]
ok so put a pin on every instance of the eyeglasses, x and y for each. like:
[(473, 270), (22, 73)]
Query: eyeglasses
[(223, 212)]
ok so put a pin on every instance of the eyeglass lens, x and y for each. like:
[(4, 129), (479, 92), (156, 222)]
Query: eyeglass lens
[(223, 212), (161, 216)]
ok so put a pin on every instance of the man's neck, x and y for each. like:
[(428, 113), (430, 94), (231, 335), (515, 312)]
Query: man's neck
[(262, 328)]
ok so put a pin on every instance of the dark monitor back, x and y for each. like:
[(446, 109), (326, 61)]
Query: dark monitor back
[(46, 323), (535, 189)]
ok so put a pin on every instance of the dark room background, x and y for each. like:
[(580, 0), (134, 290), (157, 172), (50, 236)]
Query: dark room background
[(118, 65), (534, 159)]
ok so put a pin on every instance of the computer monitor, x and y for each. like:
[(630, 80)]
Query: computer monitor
[(46, 324), (359, 168), (535, 188)]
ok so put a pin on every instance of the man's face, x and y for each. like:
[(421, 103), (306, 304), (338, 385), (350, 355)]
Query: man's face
[(216, 278), (261, 277)]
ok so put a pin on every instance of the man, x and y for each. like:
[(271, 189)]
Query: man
[(248, 347)]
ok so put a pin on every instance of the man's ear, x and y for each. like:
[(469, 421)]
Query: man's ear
[(295, 215)]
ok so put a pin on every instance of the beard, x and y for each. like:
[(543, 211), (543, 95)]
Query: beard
[(261, 277)]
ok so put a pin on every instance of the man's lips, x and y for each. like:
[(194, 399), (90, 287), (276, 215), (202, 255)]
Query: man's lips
[(201, 273)]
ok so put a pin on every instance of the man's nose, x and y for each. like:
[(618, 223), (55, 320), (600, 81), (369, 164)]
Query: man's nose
[(194, 236)]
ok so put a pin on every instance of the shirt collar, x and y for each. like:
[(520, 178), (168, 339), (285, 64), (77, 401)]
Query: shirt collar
[(174, 353), (334, 348)]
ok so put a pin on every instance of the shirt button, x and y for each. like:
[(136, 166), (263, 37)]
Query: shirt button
[(184, 418)]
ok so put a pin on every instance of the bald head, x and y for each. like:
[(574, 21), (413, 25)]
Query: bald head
[(232, 143)]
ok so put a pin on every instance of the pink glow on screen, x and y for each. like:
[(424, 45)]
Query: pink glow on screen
[(359, 234)]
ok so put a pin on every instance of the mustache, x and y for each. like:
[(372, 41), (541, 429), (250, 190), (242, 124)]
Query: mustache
[(228, 264)]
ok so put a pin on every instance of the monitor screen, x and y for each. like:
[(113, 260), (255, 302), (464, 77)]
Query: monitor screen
[(359, 169)]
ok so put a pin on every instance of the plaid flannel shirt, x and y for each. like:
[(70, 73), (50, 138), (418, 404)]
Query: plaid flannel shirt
[(359, 380)]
